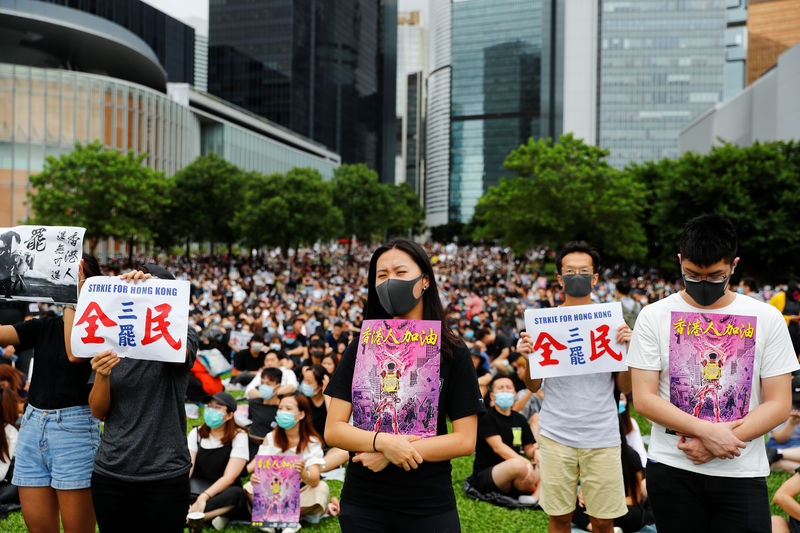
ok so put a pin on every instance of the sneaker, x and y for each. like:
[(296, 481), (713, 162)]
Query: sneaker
[(291, 529), (219, 523), (527, 499), (618, 530), (268, 529)]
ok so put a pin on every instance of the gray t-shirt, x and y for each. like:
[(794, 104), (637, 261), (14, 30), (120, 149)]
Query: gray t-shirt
[(145, 429), (580, 411)]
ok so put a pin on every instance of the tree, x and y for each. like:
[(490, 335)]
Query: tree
[(111, 194), (206, 194), (561, 192), (407, 214), (756, 187), (288, 210), (365, 203)]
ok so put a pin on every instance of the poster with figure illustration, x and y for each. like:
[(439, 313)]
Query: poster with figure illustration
[(396, 379), (711, 358), (40, 263), (276, 497)]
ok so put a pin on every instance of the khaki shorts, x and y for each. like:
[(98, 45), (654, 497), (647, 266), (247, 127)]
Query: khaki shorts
[(600, 472)]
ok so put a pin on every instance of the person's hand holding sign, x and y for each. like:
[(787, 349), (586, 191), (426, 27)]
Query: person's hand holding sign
[(103, 362), (135, 276), (624, 334)]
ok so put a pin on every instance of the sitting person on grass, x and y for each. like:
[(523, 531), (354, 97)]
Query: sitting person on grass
[(499, 469), (785, 498)]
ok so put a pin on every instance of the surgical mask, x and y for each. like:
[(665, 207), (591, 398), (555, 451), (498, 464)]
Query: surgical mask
[(601, 293), (217, 320), (275, 346), (577, 285), (266, 391), (212, 418), (397, 295), (306, 389), (740, 290), (621, 406), (257, 346), (469, 334), (705, 292), (504, 400), (285, 419), (271, 330), (289, 340)]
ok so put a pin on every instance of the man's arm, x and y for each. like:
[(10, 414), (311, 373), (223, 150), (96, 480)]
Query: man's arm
[(777, 394), (785, 496), (719, 439), (501, 448)]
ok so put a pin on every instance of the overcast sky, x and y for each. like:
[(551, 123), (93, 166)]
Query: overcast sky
[(195, 13)]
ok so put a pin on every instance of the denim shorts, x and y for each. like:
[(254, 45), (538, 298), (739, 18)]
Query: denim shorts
[(56, 448)]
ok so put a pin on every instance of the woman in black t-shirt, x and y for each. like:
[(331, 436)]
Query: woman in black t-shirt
[(399, 482)]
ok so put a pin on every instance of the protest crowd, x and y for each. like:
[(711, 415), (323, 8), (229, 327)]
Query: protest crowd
[(270, 369)]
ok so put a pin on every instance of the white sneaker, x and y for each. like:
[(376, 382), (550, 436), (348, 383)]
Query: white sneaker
[(192, 411), (219, 523), (291, 529), (617, 530), (527, 499), (268, 529)]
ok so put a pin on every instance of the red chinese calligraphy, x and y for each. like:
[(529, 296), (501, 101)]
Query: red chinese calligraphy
[(546, 342), (161, 325), (92, 314), (602, 344)]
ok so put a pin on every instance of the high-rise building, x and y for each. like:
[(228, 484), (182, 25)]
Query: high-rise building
[(201, 62), (323, 68), (773, 26), (662, 63), (170, 39), (412, 61)]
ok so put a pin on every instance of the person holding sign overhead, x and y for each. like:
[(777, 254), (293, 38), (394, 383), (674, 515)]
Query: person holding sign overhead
[(58, 435), (712, 369), (143, 461), (401, 482), (578, 426)]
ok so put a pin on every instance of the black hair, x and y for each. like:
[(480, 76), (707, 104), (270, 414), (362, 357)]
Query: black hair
[(319, 373), (708, 239), (750, 283), (624, 287), (497, 378), (274, 374), (256, 338), (481, 333), (431, 303), (578, 246), (91, 267)]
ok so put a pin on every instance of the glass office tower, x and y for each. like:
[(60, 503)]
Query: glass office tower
[(495, 95), (323, 68)]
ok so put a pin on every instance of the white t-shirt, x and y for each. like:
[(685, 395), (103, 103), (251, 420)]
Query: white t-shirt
[(11, 438), (312, 455), (239, 446), (580, 411), (723, 361), (287, 378), (634, 440)]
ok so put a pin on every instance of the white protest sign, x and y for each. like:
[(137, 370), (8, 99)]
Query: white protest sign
[(145, 320), (239, 339), (578, 339), (40, 263)]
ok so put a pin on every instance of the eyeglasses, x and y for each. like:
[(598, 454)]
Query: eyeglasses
[(572, 271), (717, 278)]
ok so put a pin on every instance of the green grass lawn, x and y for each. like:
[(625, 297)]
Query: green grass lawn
[(476, 517)]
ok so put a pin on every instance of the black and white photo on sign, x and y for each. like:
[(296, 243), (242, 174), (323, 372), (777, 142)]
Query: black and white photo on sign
[(40, 263)]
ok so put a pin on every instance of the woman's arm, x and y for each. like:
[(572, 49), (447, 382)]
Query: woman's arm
[(396, 448), (232, 470), (456, 444), (193, 457), (8, 335), (100, 396)]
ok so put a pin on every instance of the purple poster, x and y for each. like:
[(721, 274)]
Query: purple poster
[(711, 358), (276, 499), (396, 378)]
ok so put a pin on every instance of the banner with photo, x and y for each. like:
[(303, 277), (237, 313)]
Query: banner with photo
[(145, 320), (40, 263), (578, 339)]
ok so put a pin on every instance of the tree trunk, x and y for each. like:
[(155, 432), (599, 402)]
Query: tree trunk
[(130, 252), (187, 248)]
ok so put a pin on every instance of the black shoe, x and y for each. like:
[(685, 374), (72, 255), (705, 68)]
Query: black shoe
[(773, 455)]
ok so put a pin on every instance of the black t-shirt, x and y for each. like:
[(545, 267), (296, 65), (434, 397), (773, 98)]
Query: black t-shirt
[(244, 360), (501, 342), (56, 382), (262, 416), (513, 430), (318, 417), (427, 490)]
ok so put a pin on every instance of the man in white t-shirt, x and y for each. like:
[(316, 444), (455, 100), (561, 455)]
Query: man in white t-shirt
[(578, 426), (712, 370)]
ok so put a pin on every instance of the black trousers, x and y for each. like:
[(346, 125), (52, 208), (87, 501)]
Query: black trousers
[(357, 519), (686, 501), (128, 506)]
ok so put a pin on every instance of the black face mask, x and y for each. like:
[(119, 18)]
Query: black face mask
[(577, 285), (397, 295), (705, 292)]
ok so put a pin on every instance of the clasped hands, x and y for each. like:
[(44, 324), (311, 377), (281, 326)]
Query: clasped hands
[(716, 440), (395, 449)]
